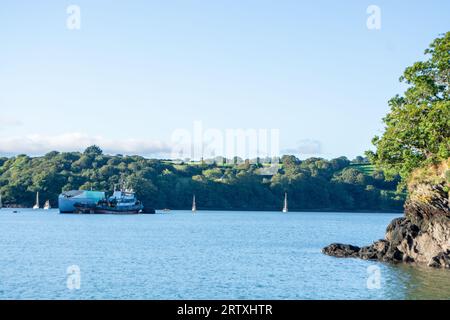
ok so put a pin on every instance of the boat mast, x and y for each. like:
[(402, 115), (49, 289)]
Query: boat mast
[(194, 205)]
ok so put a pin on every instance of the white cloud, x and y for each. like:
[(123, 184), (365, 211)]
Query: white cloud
[(306, 146), (37, 144)]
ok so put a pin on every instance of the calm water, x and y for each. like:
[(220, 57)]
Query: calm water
[(210, 255)]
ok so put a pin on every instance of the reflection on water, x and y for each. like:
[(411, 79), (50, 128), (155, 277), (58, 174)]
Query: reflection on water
[(422, 282)]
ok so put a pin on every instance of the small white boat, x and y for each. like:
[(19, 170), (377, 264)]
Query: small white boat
[(47, 205), (194, 205), (36, 206), (285, 207)]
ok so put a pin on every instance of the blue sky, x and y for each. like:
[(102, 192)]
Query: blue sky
[(138, 70)]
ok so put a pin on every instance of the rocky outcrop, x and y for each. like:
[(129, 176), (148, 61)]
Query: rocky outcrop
[(427, 202), (341, 250), (422, 235), (405, 242)]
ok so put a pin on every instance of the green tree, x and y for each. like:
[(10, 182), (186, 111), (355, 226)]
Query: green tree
[(351, 176), (417, 128), (93, 150), (313, 183)]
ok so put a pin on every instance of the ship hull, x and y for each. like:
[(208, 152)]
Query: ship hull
[(115, 212), (68, 201), (131, 209), (106, 209)]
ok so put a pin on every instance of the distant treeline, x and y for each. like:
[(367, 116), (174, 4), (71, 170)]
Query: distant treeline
[(312, 184)]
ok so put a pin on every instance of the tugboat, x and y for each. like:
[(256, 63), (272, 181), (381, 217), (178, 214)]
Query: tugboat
[(121, 202)]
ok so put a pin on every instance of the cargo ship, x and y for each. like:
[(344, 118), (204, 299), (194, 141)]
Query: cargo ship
[(68, 199)]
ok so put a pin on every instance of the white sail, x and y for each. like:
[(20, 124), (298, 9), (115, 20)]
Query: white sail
[(285, 207), (36, 206), (194, 205), (47, 205)]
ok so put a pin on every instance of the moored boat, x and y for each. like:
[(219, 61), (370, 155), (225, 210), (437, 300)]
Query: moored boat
[(285, 206), (36, 206), (121, 202), (47, 205), (194, 204), (68, 199)]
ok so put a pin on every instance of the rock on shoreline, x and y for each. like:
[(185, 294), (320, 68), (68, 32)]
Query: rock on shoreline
[(404, 242), (421, 236)]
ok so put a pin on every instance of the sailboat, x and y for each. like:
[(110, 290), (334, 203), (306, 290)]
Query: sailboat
[(47, 205), (194, 205), (36, 206), (285, 207)]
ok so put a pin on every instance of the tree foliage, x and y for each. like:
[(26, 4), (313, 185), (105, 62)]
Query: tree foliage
[(312, 184), (417, 128)]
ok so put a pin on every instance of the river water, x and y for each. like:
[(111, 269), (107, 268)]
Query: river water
[(207, 255)]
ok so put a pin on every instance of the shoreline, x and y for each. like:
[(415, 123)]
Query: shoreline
[(258, 210)]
